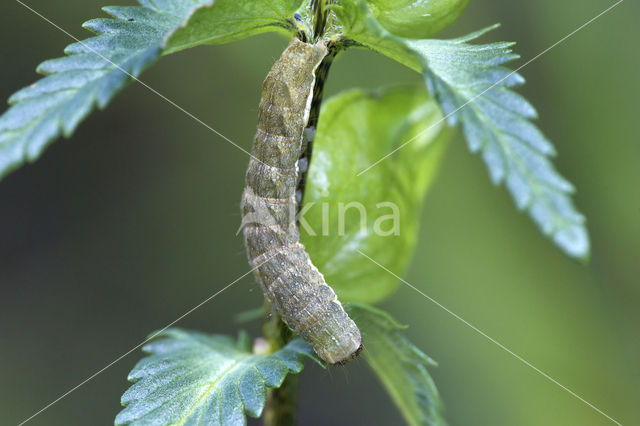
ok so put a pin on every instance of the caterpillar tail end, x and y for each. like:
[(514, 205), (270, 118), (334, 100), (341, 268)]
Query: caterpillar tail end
[(344, 353), (351, 357)]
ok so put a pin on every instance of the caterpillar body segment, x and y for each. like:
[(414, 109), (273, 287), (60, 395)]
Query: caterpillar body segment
[(288, 278)]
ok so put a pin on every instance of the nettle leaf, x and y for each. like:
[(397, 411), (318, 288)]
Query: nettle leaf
[(496, 124), (229, 20), (90, 76), (377, 212), (400, 366), (416, 18), (97, 68), (473, 87), (195, 378)]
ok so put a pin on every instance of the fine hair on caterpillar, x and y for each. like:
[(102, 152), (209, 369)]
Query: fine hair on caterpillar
[(292, 284)]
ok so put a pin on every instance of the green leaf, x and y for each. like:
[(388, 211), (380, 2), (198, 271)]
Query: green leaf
[(190, 377), (90, 76), (400, 366), (97, 68), (416, 18), (355, 129), (229, 20), (473, 87)]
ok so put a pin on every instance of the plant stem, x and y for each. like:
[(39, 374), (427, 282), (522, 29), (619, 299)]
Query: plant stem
[(318, 92), (280, 409)]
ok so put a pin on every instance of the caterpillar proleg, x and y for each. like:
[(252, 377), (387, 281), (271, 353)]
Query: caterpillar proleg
[(288, 278)]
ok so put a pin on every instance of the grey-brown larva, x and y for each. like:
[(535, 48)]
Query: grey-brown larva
[(290, 281)]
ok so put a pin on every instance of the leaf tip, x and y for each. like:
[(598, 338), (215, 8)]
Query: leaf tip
[(574, 240), (92, 25)]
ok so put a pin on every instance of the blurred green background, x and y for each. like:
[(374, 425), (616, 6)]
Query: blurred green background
[(130, 223)]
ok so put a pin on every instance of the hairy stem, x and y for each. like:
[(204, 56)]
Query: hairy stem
[(280, 409), (318, 94)]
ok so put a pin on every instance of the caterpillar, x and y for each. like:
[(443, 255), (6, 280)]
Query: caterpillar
[(282, 266)]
